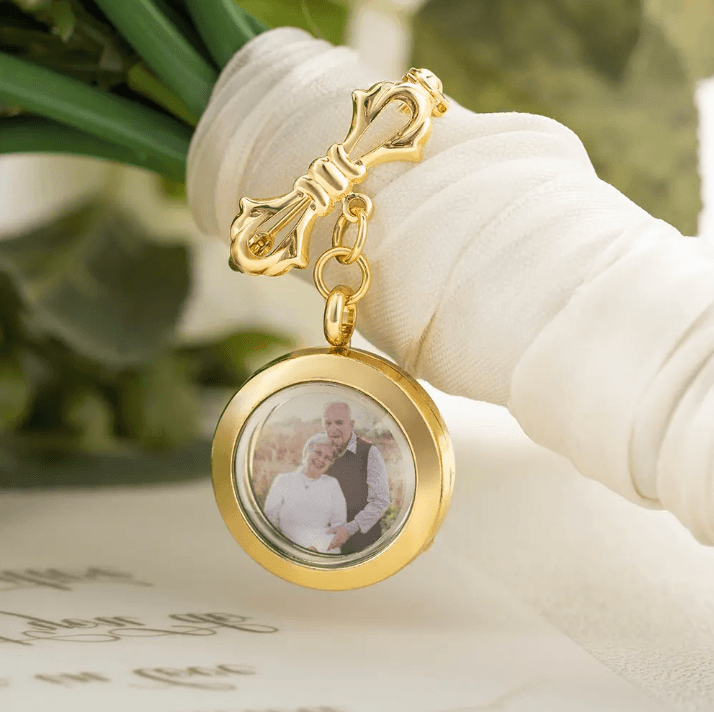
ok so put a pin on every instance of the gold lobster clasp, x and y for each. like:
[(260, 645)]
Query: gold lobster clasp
[(256, 247)]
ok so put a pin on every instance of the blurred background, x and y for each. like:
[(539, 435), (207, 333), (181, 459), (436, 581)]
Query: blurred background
[(122, 330)]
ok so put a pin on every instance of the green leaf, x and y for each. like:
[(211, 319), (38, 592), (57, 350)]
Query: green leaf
[(97, 112), (689, 26), (36, 134), (244, 352), (52, 461), (90, 417), (175, 190), (177, 12), (605, 30), (61, 35), (543, 57), (323, 18), (230, 361), (223, 25), (94, 282), (15, 392), (142, 81), (162, 46), (56, 13), (159, 404), (63, 19)]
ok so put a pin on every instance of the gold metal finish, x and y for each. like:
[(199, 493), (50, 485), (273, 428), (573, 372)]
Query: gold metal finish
[(340, 317), (331, 179), (338, 252), (415, 414), (258, 248), (341, 306), (356, 208)]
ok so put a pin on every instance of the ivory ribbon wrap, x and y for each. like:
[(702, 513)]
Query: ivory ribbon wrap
[(504, 269)]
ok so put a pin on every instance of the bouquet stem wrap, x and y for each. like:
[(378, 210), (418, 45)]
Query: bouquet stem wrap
[(504, 270)]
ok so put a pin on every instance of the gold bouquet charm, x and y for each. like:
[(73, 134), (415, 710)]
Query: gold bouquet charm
[(332, 467)]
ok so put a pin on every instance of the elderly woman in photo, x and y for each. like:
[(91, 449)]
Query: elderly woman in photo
[(306, 503)]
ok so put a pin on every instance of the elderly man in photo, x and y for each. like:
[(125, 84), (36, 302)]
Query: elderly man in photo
[(359, 468)]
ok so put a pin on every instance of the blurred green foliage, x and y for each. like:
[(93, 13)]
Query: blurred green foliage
[(92, 383), (64, 36), (93, 387), (159, 404), (689, 27), (620, 73), (15, 391), (93, 281), (324, 18)]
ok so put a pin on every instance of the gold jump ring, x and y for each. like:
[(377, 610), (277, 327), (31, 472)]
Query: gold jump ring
[(340, 317), (356, 208), (338, 252), (338, 234)]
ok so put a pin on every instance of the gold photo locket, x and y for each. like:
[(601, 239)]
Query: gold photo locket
[(332, 467), (262, 433)]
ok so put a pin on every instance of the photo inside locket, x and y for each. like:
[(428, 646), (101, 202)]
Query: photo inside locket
[(325, 474)]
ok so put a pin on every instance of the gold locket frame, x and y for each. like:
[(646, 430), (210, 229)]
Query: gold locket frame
[(413, 411)]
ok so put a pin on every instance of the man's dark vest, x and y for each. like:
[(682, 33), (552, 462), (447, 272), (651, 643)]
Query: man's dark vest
[(350, 470)]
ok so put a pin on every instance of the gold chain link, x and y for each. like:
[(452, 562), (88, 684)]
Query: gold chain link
[(341, 306), (340, 316), (338, 252), (356, 208)]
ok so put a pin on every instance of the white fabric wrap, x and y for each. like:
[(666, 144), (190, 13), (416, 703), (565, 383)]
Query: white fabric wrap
[(504, 269)]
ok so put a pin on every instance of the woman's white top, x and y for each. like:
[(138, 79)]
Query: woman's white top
[(303, 509)]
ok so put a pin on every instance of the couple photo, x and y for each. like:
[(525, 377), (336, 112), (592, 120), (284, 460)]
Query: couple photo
[(335, 500)]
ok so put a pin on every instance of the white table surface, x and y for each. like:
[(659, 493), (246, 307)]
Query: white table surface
[(441, 636)]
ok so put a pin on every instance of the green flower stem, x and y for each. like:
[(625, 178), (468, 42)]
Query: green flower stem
[(161, 139), (141, 80), (36, 134), (164, 49), (224, 26)]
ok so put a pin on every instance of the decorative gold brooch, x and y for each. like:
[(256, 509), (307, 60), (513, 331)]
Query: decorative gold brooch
[(332, 466)]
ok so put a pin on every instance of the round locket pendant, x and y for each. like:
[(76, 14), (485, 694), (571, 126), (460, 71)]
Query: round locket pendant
[(332, 468)]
